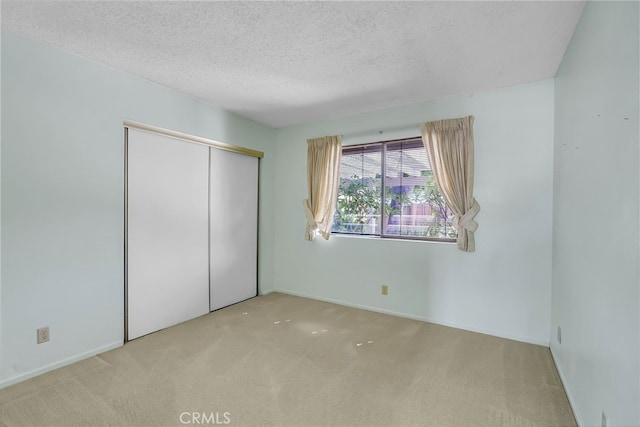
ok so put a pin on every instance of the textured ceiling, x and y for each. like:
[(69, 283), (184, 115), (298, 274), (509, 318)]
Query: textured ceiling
[(283, 63)]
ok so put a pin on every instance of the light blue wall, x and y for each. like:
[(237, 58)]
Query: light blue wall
[(62, 191), (1, 213), (595, 240), (504, 287)]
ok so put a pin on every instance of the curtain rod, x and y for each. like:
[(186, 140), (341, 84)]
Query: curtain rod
[(382, 131)]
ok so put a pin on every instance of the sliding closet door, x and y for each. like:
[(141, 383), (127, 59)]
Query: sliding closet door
[(167, 227), (234, 227)]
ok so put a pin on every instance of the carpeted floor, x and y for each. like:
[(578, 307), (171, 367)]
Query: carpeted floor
[(280, 360)]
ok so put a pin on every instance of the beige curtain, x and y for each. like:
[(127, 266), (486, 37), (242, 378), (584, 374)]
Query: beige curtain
[(323, 175), (450, 147)]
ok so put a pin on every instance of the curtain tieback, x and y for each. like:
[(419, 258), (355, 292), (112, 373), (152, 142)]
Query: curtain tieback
[(466, 221), (311, 221)]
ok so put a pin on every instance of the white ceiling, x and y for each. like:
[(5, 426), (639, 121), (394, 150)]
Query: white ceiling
[(284, 63)]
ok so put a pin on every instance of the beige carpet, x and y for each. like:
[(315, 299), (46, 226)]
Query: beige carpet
[(280, 360)]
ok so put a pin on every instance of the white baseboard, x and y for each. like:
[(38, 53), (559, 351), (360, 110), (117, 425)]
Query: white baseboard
[(566, 389), (59, 364), (423, 319)]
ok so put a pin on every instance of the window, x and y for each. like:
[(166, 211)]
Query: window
[(395, 175)]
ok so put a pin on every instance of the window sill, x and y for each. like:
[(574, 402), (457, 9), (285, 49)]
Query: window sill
[(392, 238)]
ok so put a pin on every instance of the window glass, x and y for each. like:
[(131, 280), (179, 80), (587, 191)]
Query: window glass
[(398, 176), (359, 196)]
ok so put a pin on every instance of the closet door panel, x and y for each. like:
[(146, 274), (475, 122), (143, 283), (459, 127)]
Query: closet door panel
[(234, 227), (168, 273)]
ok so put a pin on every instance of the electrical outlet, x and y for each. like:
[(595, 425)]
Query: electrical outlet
[(43, 335), (385, 290), (559, 335), (604, 419)]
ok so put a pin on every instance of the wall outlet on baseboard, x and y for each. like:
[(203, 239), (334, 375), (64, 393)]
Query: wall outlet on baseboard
[(559, 335), (384, 290), (43, 335)]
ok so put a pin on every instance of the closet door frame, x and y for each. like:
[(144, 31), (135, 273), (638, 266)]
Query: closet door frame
[(129, 124)]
